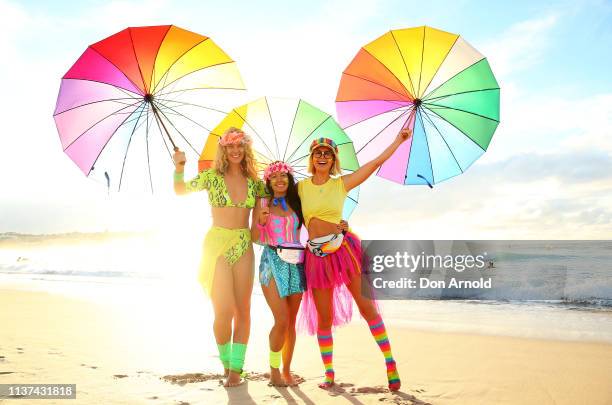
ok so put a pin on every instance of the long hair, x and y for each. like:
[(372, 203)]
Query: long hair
[(334, 170), (247, 164), (292, 197)]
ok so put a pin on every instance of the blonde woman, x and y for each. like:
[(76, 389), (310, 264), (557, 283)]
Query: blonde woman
[(332, 264), (226, 270)]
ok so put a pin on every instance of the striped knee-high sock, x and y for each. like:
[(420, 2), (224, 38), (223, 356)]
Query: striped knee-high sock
[(326, 346), (377, 328)]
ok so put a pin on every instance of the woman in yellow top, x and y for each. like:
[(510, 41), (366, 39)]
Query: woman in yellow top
[(226, 270), (333, 260)]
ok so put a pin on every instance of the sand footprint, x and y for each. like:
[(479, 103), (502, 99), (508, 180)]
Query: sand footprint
[(85, 365), (56, 353), (182, 379), (401, 398), (370, 390)]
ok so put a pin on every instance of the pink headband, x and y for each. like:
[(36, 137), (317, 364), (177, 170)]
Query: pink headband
[(234, 137), (275, 167)]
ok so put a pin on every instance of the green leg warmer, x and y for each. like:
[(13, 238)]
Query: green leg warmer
[(275, 359), (237, 358), (225, 351)]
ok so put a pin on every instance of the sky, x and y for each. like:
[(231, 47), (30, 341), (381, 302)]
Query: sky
[(546, 175)]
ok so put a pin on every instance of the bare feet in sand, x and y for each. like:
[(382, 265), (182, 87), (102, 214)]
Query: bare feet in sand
[(325, 385), (275, 378), (233, 379), (289, 380)]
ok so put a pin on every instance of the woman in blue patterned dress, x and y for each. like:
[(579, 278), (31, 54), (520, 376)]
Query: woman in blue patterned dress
[(276, 224)]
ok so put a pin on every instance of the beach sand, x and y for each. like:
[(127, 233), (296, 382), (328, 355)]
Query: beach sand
[(115, 356)]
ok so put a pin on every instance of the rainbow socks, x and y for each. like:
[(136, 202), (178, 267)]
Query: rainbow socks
[(326, 346), (377, 328)]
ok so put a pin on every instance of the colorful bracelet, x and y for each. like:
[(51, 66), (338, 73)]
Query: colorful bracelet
[(179, 177)]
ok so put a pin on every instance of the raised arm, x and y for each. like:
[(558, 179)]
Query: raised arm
[(354, 179), (201, 182)]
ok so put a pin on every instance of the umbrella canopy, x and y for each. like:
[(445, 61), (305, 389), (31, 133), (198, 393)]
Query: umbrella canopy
[(119, 102), (282, 129), (431, 81)]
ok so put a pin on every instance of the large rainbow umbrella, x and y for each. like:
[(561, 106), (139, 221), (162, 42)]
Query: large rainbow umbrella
[(133, 97), (283, 129), (431, 81)]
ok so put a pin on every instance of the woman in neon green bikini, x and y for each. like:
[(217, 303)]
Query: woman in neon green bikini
[(226, 271)]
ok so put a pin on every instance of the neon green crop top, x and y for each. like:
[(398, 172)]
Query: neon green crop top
[(218, 196)]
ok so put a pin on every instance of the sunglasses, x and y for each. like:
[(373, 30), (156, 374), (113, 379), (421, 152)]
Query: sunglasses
[(327, 154)]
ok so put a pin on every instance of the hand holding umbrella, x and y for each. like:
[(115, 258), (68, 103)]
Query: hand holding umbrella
[(179, 159), (404, 135)]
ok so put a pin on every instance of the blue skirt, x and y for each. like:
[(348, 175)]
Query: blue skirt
[(289, 278)]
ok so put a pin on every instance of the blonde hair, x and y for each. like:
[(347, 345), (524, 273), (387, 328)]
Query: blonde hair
[(335, 170), (248, 161)]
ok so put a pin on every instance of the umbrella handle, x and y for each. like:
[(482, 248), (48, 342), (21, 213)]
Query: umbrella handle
[(410, 120), (427, 181)]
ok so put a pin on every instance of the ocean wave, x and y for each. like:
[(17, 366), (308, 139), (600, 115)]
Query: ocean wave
[(28, 270)]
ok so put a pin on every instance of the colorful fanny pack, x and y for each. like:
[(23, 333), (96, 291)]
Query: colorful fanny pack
[(327, 244), (292, 253)]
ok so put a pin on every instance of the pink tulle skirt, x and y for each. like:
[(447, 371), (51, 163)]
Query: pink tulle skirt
[(333, 271)]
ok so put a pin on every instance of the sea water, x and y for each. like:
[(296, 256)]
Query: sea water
[(125, 268)]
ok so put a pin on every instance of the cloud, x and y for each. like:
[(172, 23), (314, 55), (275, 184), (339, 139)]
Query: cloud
[(546, 173), (521, 46), (531, 195), (580, 166)]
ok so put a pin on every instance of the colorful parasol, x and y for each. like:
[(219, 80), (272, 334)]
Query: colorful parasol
[(431, 81), (133, 97), (282, 129)]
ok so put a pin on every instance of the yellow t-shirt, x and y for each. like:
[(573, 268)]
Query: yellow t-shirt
[(323, 201)]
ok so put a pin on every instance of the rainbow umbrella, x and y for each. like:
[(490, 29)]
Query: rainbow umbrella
[(121, 99), (282, 129), (431, 81)]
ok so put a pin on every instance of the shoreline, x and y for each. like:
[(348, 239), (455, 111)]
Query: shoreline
[(121, 355), (532, 320)]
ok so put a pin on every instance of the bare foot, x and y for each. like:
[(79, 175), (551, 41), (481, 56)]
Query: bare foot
[(289, 379), (275, 378), (326, 385), (225, 372), (233, 379)]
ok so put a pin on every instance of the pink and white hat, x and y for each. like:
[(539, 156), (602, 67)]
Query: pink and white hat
[(235, 137), (275, 167)]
